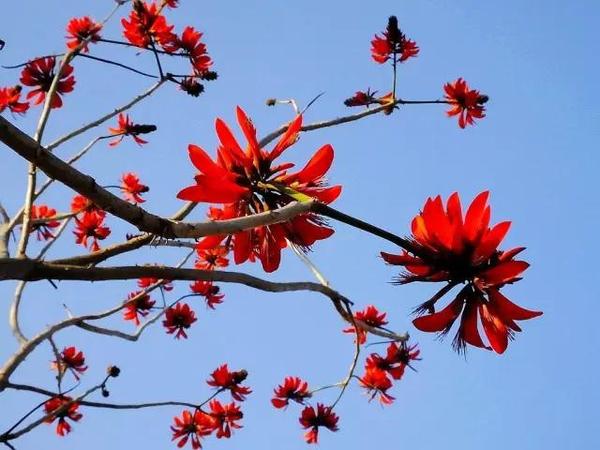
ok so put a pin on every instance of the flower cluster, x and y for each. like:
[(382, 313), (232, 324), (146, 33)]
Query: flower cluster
[(179, 318), (39, 73), (247, 182), (132, 189), (454, 249), (70, 359), (369, 316), (137, 304), (223, 379), (41, 221), (82, 30), (90, 228), (126, 127), (10, 97), (393, 44), (62, 407), (465, 103)]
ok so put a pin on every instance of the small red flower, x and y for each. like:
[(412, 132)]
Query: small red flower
[(361, 98), (146, 282), (392, 44), (465, 103), (70, 359), (141, 306), (209, 291), (9, 98), (132, 188), (247, 182), (396, 360), (224, 379), (376, 382), (126, 127), (178, 319), (456, 249), (192, 426), (70, 412), (370, 316), (43, 229), (196, 50), (82, 29), (210, 259), (90, 225), (293, 388), (172, 3), (146, 25), (322, 417), (81, 204), (225, 417), (39, 73)]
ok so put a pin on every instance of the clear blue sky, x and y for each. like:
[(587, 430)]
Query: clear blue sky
[(537, 151)]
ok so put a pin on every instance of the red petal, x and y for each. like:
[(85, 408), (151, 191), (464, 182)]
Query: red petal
[(401, 260), (288, 138), (204, 163), (475, 215), (318, 165), (491, 240), (242, 246), (441, 320), (504, 272), (494, 328), (212, 190), (249, 131), (228, 140), (508, 309), (468, 326)]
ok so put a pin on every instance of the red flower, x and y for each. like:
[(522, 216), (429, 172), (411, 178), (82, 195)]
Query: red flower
[(377, 382), (172, 3), (392, 43), (146, 282), (141, 306), (43, 229), (9, 98), (209, 259), (81, 204), (247, 182), (196, 50), (82, 29), (70, 412), (293, 388), (90, 225), (465, 103), (225, 417), (396, 360), (322, 417), (132, 188), (224, 379), (178, 319), (361, 98), (192, 425), (126, 127), (209, 291), (146, 25), (39, 73), (457, 250), (370, 316), (70, 359)]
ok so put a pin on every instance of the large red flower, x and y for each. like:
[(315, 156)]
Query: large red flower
[(456, 249), (90, 225), (292, 388), (10, 98), (393, 44), (80, 29), (224, 379), (136, 305), (178, 319), (132, 189), (395, 361), (376, 381), (312, 419), (44, 227), (146, 25), (209, 291), (39, 74), (211, 258), (465, 103), (70, 359), (370, 316), (225, 417), (196, 50), (81, 204), (191, 426), (126, 127), (70, 412), (247, 182)]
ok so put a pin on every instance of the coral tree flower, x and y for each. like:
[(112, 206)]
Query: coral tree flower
[(293, 388), (80, 204), (393, 44), (39, 216), (70, 359), (132, 188), (211, 258), (90, 225), (126, 127), (209, 291), (191, 426), (376, 382), (225, 417), (70, 412), (465, 103), (82, 29), (395, 361), (370, 316), (178, 319), (147, 26), (39, 74), (454, 249), (247, 182), (222, 378), (312, 419), (10, 98), (196, 51), (146, 282), (137, 304)]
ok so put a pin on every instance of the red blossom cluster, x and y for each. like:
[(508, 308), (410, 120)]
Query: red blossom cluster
[(223, 379), (132, 189), (393, 45), (126, 127), (39, 73), (82, 30), (247, 182), (179, 318), (10, 97), (210, 259), (90, 228), (369, 316), (454, 249), (62, 407), (137, 304), (42, 222), (466, 103), (70, 359)]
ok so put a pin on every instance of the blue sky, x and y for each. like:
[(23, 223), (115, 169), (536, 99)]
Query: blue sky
[(537, 151)]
